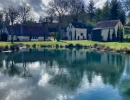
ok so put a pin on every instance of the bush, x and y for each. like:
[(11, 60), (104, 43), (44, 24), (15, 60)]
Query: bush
[(78, 46), (1, 48), (34, 46), (12, 48), (57, 46), (6, 48), (28, 46), (70, 46), (95, 45)]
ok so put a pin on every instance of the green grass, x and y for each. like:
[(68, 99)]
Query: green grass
[(113, 45)]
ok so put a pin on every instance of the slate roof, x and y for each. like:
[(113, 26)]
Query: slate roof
[(27, 30), (79, 25), (106, 24)]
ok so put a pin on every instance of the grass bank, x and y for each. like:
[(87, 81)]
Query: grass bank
[(53, 44)]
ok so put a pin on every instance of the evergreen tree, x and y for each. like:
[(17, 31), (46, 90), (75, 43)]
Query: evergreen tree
[(115, 9), (108, 38), (106, 11), (113, 35), (122, 17), (121, 35), (98, 14), (91, 10), (118, 34)]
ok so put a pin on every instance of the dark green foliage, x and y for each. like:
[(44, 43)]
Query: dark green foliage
[(122, 17), (91, 10), (115, 9), (34, 45), (108, 38), (113, 35), (121, 35), (4, 37), (75, 34), (58, 35), (6, 48), (106, 11), (118, 34)]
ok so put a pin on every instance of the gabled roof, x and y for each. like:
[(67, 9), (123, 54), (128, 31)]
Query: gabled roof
[(107, 24), (79, 25), (27, 30)]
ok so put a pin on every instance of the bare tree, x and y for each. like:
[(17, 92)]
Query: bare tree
[(13, 15), (75, 6), (126, 4), (58, 8), (25, 12)]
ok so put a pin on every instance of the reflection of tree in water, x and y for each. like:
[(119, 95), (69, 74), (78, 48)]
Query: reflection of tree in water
[(2, 57), (12, 68), (76, 63)]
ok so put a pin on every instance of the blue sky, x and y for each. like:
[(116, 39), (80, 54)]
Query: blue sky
[(38, 5)]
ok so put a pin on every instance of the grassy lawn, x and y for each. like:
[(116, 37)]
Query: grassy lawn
[(114, 45)]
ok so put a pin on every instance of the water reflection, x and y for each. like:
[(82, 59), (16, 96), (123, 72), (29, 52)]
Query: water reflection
[(64, 74)]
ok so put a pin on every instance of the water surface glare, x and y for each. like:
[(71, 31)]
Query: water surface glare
[(64, 75)]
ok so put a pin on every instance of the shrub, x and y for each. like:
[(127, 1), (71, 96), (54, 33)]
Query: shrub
[(57, 46), (78, 46), (6, 48), (1, 48), (34, 45), (12, 48), (28, 46), (70, 46), (95, 45)]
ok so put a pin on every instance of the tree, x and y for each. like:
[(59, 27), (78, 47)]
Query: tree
[(115, 8), (121, 35), (1, 20), (108, 38), (98, 13), (113, 35), (91, 10), (13, 15), (25, 12), (106, 11), (4, 37), (58, 35), (58, 8), (118, 34), (75, 6), (122, 17)]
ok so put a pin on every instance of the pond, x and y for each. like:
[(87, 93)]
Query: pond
[(64, 75)]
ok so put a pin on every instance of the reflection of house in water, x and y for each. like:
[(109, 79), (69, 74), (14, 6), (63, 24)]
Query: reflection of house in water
[(73, 55)]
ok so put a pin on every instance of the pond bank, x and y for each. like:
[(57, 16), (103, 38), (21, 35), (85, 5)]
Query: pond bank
[(116, 47)]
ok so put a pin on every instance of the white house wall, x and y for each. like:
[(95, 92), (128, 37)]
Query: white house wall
[(104, 34), (105, 31), (78, 33)]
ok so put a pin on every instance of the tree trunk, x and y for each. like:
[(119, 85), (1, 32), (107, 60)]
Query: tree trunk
[(12, 35)]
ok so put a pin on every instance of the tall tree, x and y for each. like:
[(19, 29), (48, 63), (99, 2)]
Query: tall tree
[(106, 11), (122, 17), (75, 6), (115, 8), (91, 10), (1, 20), (98, 16), (58, 8), (13, 15), (25, 12)]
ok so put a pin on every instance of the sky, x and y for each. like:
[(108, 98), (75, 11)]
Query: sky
[(38, 6)]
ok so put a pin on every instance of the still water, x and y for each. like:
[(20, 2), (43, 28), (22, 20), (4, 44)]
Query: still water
[(64, 75)]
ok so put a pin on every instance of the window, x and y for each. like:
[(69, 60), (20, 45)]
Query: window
[(81, 34)]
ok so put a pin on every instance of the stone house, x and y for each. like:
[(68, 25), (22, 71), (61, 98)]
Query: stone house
[(76, 31), (105, 28), (28, 32)]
